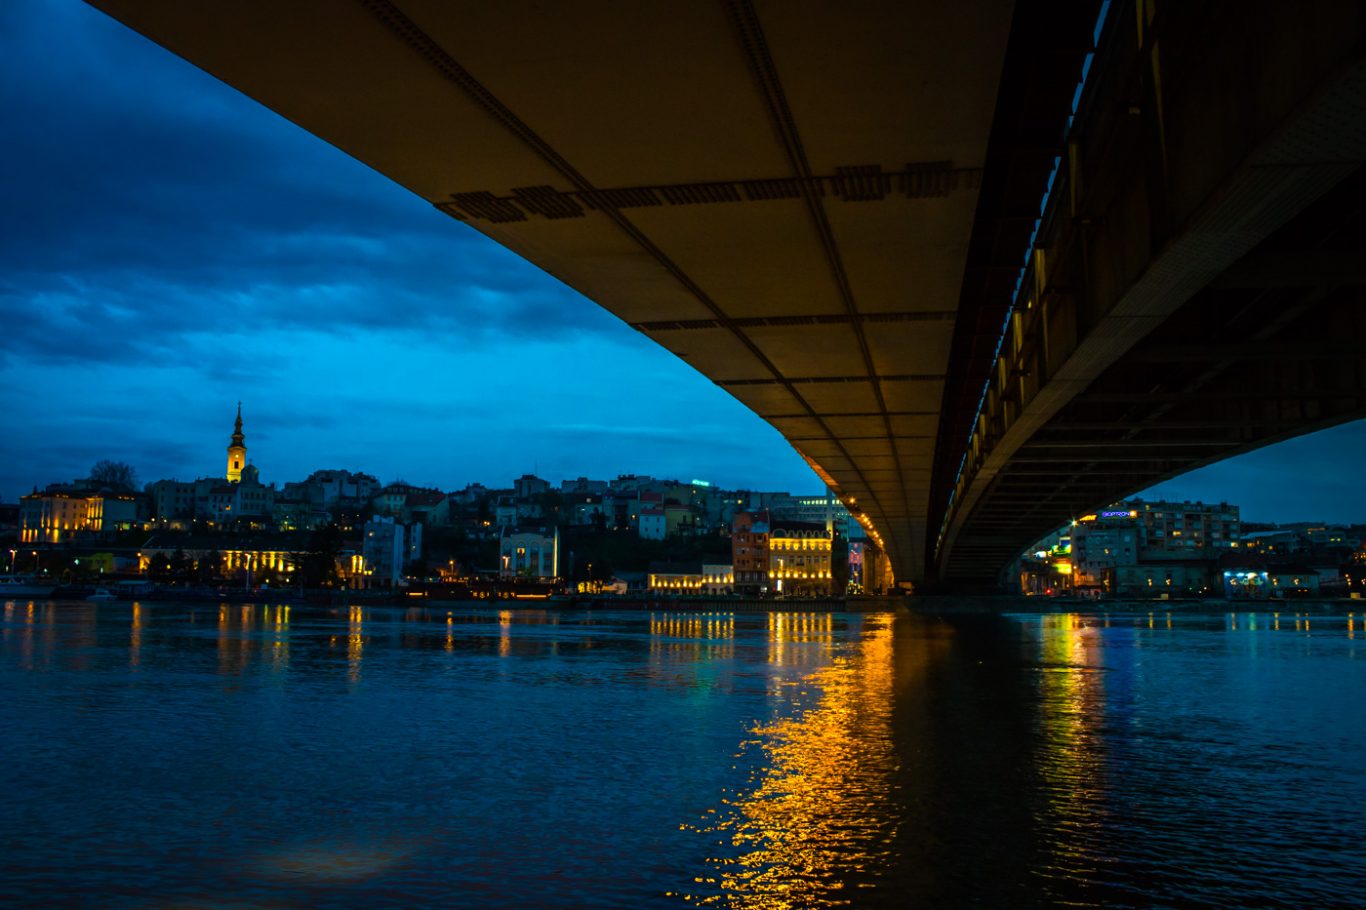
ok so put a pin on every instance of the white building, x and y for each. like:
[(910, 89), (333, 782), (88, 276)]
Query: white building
[(718, 578), (653, 524), (531, 553), (386, 548)]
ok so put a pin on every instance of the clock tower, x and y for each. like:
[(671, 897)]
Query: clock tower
[(237, 450)]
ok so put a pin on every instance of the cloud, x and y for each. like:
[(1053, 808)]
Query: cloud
[(157, 198)]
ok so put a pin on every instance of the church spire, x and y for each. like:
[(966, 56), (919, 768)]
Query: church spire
[(237, 450)]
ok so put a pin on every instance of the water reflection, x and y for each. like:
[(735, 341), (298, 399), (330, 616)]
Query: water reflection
[(357, 756), (355, 642), (682, 639), (1071, 761), (813, 829), (135, 637)]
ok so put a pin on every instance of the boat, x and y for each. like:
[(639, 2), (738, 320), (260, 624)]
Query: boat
[(12, 586), (102, 594)]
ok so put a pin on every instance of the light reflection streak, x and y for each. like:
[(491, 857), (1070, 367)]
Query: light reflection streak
[(355, 642), (786, 630), (135, 637), (1071, 764), (817, 815), (679, 639), (279, 650)]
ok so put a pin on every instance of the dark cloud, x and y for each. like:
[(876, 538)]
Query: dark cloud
[(155, 198)]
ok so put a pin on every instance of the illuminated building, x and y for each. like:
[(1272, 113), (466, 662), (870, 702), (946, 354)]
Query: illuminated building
[(58, 515), (1139, 548), (237, 450), (236, 555), (1181, 528), (236, 498), (1101, 544), (676, 578), (718, 578), (531, 554), (799, 558)]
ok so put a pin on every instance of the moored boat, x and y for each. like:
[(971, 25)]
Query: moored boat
[(24, 586)]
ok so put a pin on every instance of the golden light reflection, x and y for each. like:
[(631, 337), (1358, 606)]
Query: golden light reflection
[(680, 638), (504, 633), (135, 637), (234, 643), (790, 636), (278, 621), (1072, 708), (355, 641), (817, 812)]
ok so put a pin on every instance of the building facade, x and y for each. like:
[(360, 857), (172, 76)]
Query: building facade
[(529, 553), (749, 552), (387, 548), (799, 559)]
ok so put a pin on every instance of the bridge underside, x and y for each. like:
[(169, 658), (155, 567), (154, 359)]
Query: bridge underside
[(780, 193), (1195, 285), (825, 209), (1272, 348)]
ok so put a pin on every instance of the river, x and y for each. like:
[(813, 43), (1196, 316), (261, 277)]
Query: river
[(167, 755)]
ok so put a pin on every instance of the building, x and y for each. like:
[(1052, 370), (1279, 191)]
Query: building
[(718, 578), (245, 557), (505, 512), (428, 507), (393, 498), (237, 450), (799, 558), (676, 578), (1143, 549), (290, 514), (529, 485), (588, 512), (584, 485), (171, 500), (680, 519), (825, 510), (749, 552), (60, 514), (387, 547), (529, 553), (1189, 530), (653, 523), (1103, 543), (237, 497), (868, 568), (328, 488)]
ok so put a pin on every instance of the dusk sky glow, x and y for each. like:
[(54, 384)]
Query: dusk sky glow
[(170, 247)]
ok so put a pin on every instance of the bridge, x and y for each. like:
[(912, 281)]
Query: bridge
[(986, 265)]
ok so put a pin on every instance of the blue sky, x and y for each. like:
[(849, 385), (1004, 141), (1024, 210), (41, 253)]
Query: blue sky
[(168, 247)]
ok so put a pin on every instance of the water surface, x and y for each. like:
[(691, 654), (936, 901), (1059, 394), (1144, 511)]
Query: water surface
[(177, 755)]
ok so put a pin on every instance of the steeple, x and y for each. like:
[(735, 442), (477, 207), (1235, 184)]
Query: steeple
[(237, 450)]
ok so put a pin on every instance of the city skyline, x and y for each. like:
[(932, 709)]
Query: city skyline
[(173, 247)]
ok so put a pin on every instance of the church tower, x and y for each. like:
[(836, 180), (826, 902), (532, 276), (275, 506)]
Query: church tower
[(237, 450)]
